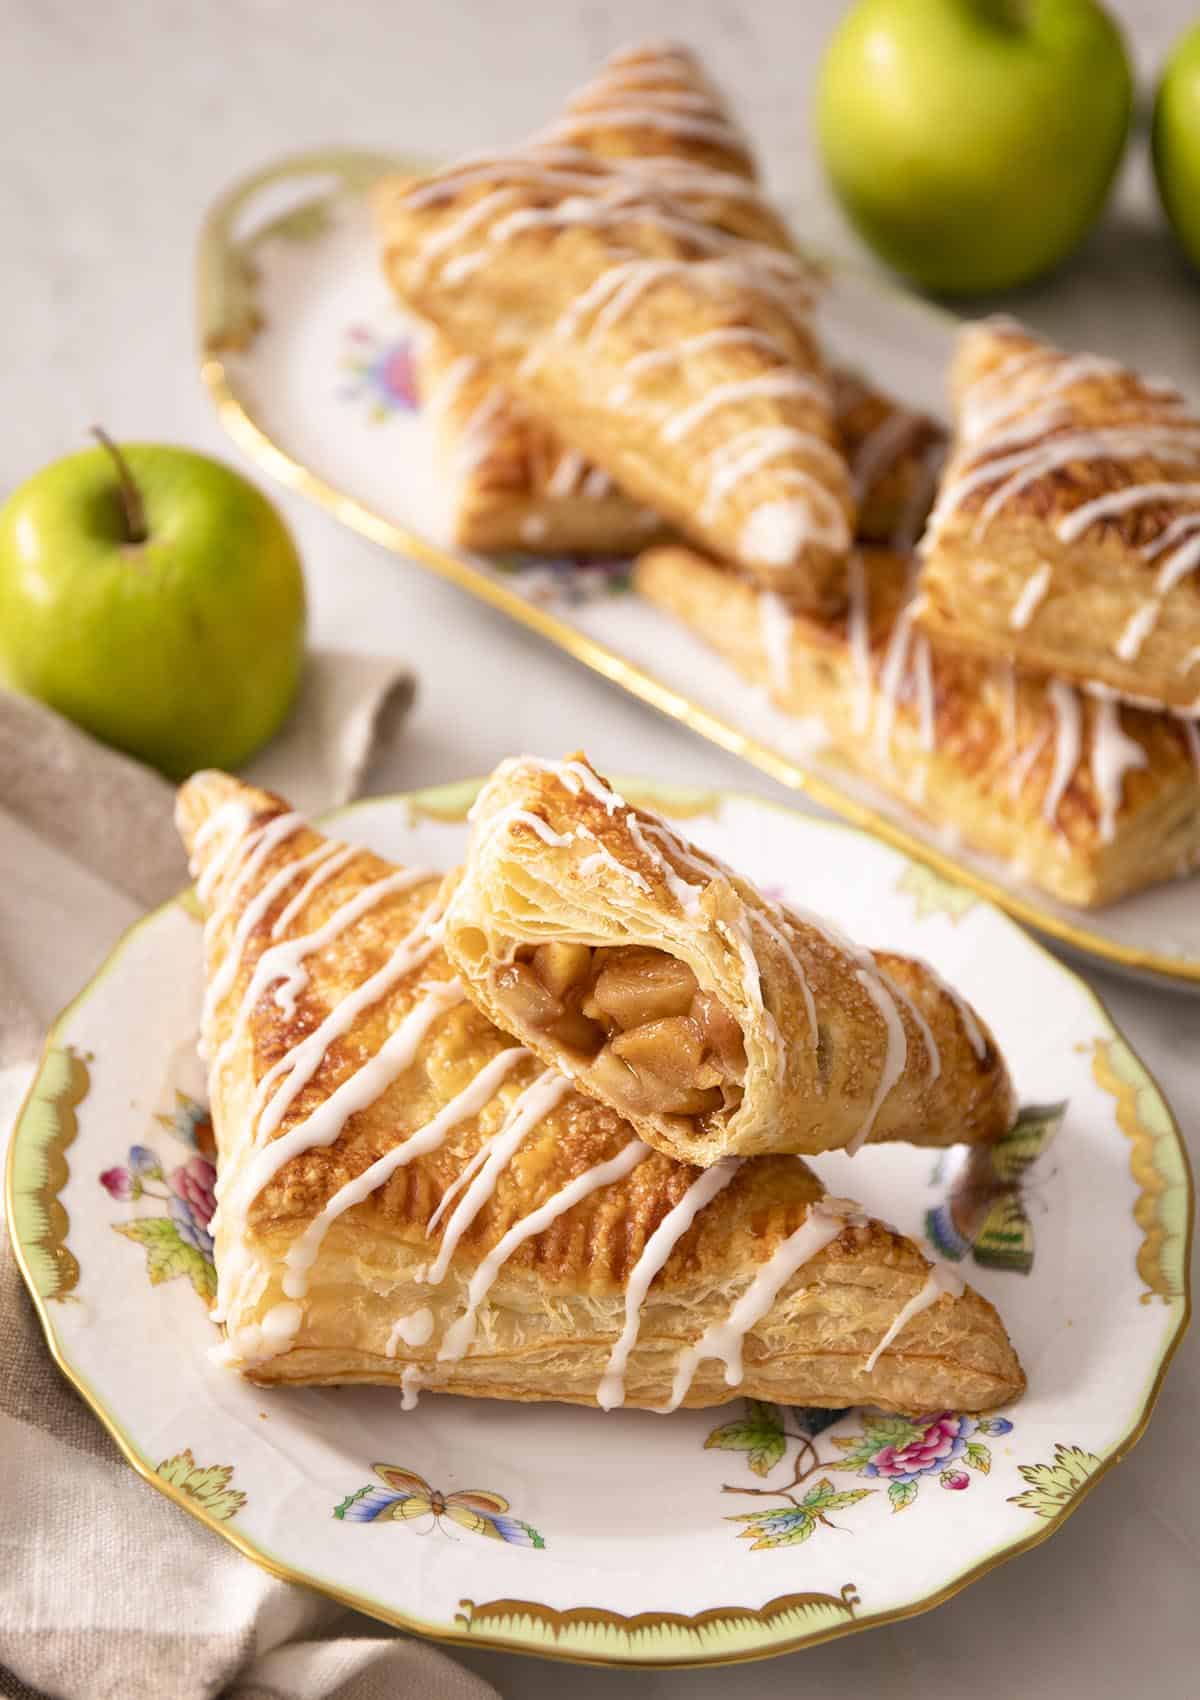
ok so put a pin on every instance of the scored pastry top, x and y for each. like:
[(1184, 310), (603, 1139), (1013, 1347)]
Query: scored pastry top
[(1066, 532)]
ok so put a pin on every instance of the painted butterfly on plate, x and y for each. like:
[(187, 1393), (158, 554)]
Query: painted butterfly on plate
[(406, 1496)]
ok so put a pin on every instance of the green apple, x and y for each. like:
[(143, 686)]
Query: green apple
[(155, 598), (1177, 141), (973, 142)]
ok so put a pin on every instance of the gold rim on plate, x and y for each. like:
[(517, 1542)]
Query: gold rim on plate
[(449, 802)]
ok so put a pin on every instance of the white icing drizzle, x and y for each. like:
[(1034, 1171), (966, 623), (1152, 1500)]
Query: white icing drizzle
[(232, 820), (251, 854), (926, 704), (602, 857), (448, 235), (284, 962), (1033, 594), (1022, 765), (677, 352), (225, 976), (460, 1334), (596, 485), (895, 1057), (940, 1282), (891, 680), (685, 894), (415, 1329), (647, 117), (478, 434), (515, 815), (781, 383), (568, 469), (724, 1340), (1136, 630), (525, 1112), (1074, 524), (776, 624), (778, 934), (1179, 562), (750, 451), (655, 1254), (533, 528), (858, 636), (932, 1054), (1114, 754), (450, 386), (342, 853), (966, 1014), (302, 1253), (296, 1067), (1068, 739), (412, 1379)]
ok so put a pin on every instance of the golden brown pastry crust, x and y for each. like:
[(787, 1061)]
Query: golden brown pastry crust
[(1091, 800), (838, 1046), (1066, 535), (546, 1326), (512, 484), (679, 359)]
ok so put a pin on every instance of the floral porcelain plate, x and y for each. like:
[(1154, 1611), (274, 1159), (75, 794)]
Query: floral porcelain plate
[(628, 1538), (308, 361)]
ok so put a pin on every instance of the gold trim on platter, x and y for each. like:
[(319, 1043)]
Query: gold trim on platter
[(228, 319), (1144, 1119), (498, 1624)]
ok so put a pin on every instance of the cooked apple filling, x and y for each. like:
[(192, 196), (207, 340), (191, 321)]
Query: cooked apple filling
[(636, 1022)]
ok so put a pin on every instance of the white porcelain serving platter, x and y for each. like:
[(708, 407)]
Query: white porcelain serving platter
[(702, 1536), (308, 360)]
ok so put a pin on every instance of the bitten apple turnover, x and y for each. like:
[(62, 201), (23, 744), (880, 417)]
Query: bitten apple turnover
[(408, 1195), (719, 1022), (1066, 533)]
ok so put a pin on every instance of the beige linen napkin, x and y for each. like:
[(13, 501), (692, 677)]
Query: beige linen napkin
[(106, 1589)]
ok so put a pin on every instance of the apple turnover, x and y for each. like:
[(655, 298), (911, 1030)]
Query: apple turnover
[(408, 1196), (678, 358), (1088, 798), (1066, 533), (719, 1022), (510, 483)]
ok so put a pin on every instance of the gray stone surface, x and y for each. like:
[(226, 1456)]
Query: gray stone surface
[(122, 122)]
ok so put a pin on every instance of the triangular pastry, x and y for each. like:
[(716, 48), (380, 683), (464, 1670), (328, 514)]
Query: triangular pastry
[(408, 1196), (511, 484), (679, 359), (1088, 798), (720, 1022), (1066, 533)]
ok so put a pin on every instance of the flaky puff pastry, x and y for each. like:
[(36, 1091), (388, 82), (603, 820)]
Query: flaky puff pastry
[(511, 483), (1087, 798), (680, 360), (407, 1196), (1066, 534), (719, 1022)]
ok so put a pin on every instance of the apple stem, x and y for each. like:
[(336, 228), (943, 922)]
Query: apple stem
[(131, 496)]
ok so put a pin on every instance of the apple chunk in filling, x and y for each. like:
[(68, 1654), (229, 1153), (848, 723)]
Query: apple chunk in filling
[(635, 1021)]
